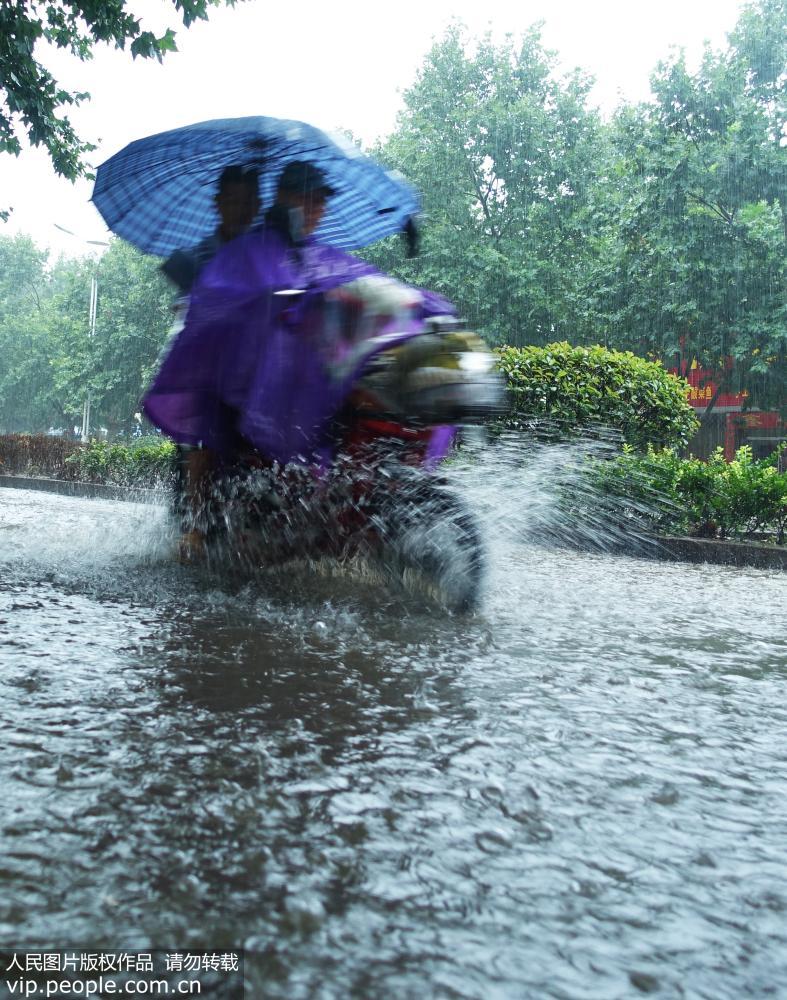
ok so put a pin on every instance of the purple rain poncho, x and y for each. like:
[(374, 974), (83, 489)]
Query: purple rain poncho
[(272, 345)]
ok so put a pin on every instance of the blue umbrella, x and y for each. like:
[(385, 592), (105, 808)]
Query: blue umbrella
[(158, 192)]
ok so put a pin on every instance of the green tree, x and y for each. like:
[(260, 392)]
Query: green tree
[(695, 231), (30, 97), (27, 397), (132, 319), (503, 151), (48, 359)]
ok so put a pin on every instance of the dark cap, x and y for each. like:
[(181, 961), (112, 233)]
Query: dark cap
[(237, 173), (304, 177)]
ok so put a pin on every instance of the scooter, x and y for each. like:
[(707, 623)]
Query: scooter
[(376, 494)]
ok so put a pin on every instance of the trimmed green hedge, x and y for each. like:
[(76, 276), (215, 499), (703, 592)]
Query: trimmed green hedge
[(686, 496), (37, 455), (148, 461), (584, 387)]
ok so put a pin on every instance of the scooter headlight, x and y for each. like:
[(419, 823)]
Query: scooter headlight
[(476, 362)]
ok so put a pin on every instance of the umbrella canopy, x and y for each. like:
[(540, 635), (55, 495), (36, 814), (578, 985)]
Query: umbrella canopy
[(158, 192)]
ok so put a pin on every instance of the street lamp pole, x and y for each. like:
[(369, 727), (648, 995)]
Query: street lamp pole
[(85, 432), (92, 328)]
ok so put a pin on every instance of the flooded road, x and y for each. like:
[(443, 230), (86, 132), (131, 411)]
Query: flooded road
[(578, 792)]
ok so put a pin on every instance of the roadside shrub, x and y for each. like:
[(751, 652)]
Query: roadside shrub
[(754, 495), (739, 499), (37, 455), (584, 387), (148, 461)]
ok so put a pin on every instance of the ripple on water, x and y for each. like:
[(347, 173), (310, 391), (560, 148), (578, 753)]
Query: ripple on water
[(578, 792)]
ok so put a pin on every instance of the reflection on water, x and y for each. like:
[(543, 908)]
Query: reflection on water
[(577, 792)]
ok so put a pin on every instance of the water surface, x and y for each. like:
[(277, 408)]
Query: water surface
[(577, 792)]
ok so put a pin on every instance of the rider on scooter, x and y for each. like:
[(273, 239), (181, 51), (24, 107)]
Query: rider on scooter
[(240, 375)]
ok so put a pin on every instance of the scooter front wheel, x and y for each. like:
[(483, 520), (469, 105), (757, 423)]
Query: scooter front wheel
[(430, 540)]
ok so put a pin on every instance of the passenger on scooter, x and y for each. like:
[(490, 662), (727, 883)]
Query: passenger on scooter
[(237, 202)]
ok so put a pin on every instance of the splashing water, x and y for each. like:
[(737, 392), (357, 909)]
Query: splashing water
[(546, 494), (559, 796), (384, 521), (520, 488)]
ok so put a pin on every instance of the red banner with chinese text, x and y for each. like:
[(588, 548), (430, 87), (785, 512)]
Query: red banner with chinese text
[(703, 384)]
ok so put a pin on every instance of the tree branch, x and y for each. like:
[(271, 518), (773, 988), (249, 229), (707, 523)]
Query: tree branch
[(717, 209)]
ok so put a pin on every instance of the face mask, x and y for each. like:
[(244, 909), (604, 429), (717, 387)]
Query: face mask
[(297, 222)]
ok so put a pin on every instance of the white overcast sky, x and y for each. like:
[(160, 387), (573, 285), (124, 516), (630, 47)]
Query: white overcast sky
[(334, 63)]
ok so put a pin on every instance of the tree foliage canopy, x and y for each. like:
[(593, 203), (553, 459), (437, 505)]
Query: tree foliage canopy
[(504, 153), (700, 231), (662, 231), (31, 99), (48, 359)]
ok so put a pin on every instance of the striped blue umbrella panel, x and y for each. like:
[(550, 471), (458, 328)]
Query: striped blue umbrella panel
[(158, 192)]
